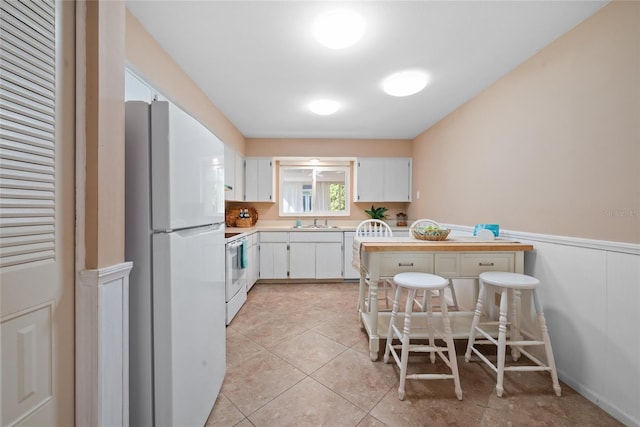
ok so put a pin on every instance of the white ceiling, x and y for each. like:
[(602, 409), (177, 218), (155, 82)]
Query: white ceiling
[(259, 63)]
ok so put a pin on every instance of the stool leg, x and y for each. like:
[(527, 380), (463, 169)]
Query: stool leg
[(451, 348), (547, 343), (514, 317), (432, 336), (476, 320), (394, 313), (453, 295), (406, 339), (502, 339)]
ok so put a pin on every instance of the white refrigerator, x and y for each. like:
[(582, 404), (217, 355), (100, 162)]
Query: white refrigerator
[(174, 228)]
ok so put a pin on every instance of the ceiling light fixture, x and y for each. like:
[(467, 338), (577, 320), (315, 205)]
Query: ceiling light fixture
[(338, 28), (405, 83), (324, 107)]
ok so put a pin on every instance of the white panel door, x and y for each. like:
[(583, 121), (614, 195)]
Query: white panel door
[(238, 189), (229, 173), (397, 179), (328, 260), (369, 179), (259, 179), (302, 260), (37, 226), (349, 271), (273, 260)]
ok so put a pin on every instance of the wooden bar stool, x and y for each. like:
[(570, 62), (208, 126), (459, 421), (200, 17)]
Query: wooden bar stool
[(414, 282), (509, 334)]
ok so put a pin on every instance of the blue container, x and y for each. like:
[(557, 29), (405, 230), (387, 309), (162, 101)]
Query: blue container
[(495, 228)]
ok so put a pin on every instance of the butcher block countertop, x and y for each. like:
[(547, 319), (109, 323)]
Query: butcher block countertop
[(456, 244)]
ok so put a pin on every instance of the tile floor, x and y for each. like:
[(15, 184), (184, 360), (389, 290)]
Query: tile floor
[(296, 357)]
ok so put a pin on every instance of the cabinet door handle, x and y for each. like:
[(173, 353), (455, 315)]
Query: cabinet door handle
[(485, 264), (405, 264)]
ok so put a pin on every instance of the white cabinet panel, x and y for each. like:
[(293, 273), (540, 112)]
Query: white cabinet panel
[(233, 175), (254, 267), (273, 260), (274, 255), (397, 179), (395, 263), (447, 265), (474, 264), (369, 180), (316, 236), (315, 255), (259, 179), (239, 177), (302, 259), (328, 260), (349, 271), (380, 179), (229, 173)]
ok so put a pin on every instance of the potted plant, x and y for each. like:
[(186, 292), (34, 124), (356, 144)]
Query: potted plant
[(377, 213)]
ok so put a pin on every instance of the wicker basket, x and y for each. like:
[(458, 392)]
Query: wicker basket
[(430, 234), (244, 222), (232, 219)]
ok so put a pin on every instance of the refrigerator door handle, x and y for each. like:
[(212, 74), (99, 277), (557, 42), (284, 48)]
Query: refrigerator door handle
[(194, 231)]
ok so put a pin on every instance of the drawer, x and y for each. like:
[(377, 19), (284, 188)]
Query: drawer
[(316, 236), (474, 264), (395, 263), (447, 265), (274, 236)]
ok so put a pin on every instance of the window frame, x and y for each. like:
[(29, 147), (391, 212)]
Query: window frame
[(325, 166)]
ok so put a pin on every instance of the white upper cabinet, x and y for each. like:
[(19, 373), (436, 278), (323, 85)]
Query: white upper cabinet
[(259, 180), (369, 179), (239, 177), (229, 173), (233, 175), (397, 179), (383, 179)]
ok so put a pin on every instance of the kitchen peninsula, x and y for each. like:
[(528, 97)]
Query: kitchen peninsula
[(461, 257)]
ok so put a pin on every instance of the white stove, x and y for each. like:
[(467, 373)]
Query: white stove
[(236, 263)]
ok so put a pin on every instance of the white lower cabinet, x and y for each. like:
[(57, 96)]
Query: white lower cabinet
[(315, 255), (349, 271), (302, 258), (274, 256), (254, 260), (329, 260)]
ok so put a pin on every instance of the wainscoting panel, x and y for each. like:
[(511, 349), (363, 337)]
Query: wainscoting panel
[(590, 291), (102, 346)]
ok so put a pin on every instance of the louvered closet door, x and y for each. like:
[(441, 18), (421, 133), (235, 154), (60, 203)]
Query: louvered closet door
[(36, 217)]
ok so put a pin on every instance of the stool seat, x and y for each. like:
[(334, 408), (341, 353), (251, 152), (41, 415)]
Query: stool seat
[(420, 281), (509, 280)]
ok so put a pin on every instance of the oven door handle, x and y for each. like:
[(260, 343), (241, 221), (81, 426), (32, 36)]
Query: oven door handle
[(236, 243)]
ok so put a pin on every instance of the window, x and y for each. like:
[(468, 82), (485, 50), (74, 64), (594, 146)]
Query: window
[(314, 190)]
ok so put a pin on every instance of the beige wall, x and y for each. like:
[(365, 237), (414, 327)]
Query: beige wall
[(553, 147), (153, 64), (104, 134), (260, 147)]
